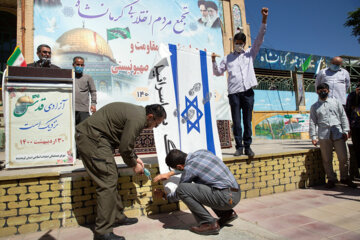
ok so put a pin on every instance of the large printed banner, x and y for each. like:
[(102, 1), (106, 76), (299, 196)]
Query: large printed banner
[(284, 60), (39, 126), (120, 40), (181, 82)]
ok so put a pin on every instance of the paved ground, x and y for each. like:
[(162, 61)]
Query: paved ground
[(312, 214)]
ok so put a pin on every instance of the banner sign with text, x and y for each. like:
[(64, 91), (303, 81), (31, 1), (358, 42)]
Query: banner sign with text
[(284, 60), (119, 40), (39, 127), (181, 82)]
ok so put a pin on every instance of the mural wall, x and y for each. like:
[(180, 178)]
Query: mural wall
[(120, 40), (283, 127)]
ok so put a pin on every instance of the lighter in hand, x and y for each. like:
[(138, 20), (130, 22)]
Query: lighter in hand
[(147, 173)]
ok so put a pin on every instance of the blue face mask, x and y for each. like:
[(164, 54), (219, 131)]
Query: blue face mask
[(334, 67), (79, 69)]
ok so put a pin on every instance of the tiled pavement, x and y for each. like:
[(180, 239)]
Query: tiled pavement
[(313, 214)]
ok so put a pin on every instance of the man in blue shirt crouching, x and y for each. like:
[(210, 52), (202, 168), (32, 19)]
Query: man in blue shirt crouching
[(205, 181)]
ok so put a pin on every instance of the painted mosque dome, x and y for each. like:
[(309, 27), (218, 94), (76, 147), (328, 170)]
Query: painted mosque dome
[(83, 40)]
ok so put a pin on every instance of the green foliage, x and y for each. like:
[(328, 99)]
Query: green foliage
[(353, 20)]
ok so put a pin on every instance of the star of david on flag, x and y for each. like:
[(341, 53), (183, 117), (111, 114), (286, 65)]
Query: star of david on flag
[(187, 115)]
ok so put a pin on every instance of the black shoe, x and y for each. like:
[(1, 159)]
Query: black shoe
[(108, 236), (125, 221), (249, 152), (223, 221), (349, 183), (239, 152)]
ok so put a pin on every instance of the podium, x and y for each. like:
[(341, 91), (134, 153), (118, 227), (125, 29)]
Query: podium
[(39, 112)]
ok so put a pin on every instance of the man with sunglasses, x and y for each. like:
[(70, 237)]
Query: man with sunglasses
[(44, 54)]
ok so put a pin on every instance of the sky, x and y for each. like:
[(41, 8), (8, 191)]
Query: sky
[(308, 26)]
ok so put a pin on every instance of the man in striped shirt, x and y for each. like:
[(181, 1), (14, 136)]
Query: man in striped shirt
[(205, 181)]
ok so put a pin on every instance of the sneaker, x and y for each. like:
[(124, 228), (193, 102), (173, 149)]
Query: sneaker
[(330, 184), (239, 152), (249, 152), (349, 183)]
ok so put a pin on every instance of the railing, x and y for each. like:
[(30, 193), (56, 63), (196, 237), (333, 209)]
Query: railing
[(282, 83)]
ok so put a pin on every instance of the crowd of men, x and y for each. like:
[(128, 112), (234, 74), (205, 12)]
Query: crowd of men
[(205, 179)]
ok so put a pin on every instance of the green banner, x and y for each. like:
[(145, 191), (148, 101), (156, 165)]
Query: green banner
[(114, 33), (306, 64)]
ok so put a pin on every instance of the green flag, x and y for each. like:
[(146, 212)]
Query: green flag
[(306, 64), (114, 33)]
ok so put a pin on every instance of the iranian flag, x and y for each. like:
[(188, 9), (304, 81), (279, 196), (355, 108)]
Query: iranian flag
[(17, 58)]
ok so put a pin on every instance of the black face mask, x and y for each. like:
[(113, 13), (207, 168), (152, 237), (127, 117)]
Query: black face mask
[(323, 95)]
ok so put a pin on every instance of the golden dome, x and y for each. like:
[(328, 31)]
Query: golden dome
[(83, 40)]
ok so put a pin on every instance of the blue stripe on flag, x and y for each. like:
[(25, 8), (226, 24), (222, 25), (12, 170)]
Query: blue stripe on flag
[(173, 59), (207, 107)]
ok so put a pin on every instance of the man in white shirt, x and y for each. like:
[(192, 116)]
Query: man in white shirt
[(333, 128), (241, 80), (337, 78)]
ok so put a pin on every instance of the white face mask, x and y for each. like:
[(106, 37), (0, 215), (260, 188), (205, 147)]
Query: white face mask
[(238, 47)]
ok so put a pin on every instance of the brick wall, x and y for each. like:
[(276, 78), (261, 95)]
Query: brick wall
[(36, 203)]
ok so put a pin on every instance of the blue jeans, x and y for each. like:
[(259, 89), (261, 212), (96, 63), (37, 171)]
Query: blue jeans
[(242, 101)]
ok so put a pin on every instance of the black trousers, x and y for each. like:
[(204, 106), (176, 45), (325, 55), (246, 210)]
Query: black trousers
[(242, 102), (81, 116), (355, 137)]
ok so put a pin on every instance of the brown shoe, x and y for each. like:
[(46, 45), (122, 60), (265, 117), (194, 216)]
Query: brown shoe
[(227, 219), (349, 183), (330, 184), (206, 229)]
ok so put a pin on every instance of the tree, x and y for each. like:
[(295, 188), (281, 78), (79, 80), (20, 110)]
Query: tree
[(353, 20)]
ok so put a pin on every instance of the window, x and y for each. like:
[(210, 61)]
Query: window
[(237, 18)]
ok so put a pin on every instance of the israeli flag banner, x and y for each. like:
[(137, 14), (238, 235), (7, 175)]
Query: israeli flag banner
[(180, 82)]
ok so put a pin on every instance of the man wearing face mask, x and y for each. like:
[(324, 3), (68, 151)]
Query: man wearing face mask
[(329, 116), (201, 185), (337, 78), (44, 54), (84, 85), (116, 125), (241, 80)]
